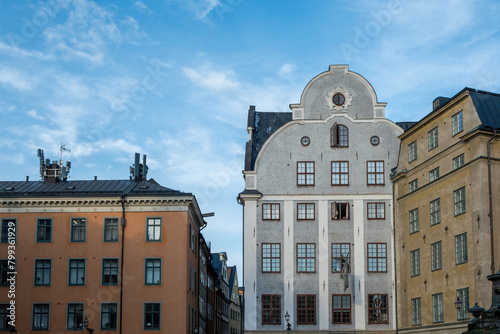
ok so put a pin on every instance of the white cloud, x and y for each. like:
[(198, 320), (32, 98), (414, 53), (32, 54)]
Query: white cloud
[(18, 52), (15, 79), (141, 6), (210, 79), (200, 8), (33, 114), (287, 69)]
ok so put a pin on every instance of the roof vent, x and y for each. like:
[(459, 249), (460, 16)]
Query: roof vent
[(70, 188), (143, 187), (8, 189)]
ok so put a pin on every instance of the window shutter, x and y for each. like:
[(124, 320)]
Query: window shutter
[(335, 213), (334, 135), (347, 211)]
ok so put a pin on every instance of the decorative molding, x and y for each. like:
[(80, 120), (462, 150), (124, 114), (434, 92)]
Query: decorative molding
[(343, 91)]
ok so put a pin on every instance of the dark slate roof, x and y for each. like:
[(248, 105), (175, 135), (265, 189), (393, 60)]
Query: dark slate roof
[(232, 274), (487, 106), (264, 124), (92, 188), (406, 125)]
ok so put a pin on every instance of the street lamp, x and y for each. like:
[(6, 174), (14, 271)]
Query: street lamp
[(86, 325), (287, 318), (458, 304)]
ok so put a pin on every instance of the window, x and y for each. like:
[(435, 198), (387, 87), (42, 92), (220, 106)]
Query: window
[(415, 262), (461, 248), (306, 258), (416, 311), (42, 272), (433, 138), (9, 230), (153, 272), (76, 272), (40, 317), (75, 316), (108, 316), (153, 227), (436, 259), (435, 210), (341, 309), (463, 296), (271, 258), (4, 271), (375, 172), (270, 211), (458, 161), (4, 320), (305, 211), (376, 210), (434, 174), (437, 307), (339, 135), (340, 173), (459, 201), (412, 151), (457, 123), (414, 221), (413, 185), (44, 230), (109, 272), (340, 255), (340, 211), (111, 231), (152, 316), (377, 257), (271, 309), (78, 229), (306, 309), (378, 309), (305, 173)]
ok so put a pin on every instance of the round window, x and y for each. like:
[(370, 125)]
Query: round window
[(375, 140), (305, 141), (338, 99)]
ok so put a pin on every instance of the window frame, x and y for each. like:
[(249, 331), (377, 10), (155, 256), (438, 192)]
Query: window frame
[(110, 268), (415, 262), (457, 123), (157, 269), (434, 174), (306, 173), (414, 226), (458, 161), (71, 269), (378, 309), (437, 308), (376, 210), (433, 138), (416, 311), (413, 185), (38, 228), (375, 173), (5, 230), (435, 211), (267, 313), (461, 249), (4, 271), (338, 259), (272, 257), (306, 258), (4, 326), (110, 314), (334, 209), (342, 309), (341, 164), (463, 312), (303, 311), (109, 226), (436, 256), (307, 207), (79, 231), (152, 313), (43, 270), (271, 210), (78, 317), (412, 151), (376, 257), (339, 135), (37, 317), (155, 227), (459, 206)]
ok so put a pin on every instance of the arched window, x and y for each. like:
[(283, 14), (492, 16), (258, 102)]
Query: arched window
[(339, 135)]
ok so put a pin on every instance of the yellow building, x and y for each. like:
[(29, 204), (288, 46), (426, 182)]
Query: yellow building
[(447, 191)]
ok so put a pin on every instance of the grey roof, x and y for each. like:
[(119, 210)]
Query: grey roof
[(487, 106), (264, 124), (92, 188), (232, 275), (406, 125)]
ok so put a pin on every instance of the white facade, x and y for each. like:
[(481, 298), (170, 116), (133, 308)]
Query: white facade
[(311, 176)]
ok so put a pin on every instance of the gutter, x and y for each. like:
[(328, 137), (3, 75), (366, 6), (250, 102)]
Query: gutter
[(122, 200), (490, 195)]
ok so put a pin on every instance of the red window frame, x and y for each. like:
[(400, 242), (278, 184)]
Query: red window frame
[(377, 256), (272, 258), (375, 315), (270, 207), (342, 314), (339, 258), (306, 309), (335, 211), (375, 173), (339, 135), (304, 171), (271, 309), (375, 210), (306, 257), (307, 206), (339, 173)]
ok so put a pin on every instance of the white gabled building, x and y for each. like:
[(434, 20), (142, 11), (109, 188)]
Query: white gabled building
[(317, 195)]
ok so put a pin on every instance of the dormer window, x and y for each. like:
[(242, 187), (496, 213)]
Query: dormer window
[(339, 135)]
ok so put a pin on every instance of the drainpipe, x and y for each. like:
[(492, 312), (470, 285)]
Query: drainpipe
[(490, 194), (122, 200), (395, 252)]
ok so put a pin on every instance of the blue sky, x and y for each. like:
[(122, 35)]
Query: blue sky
[(173, 79)]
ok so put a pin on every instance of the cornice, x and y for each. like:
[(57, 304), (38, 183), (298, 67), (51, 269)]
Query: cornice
[(49, 202)]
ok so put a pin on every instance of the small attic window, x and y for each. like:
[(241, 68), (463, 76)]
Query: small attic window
[(143, 187), (8, 188), (70, 188)]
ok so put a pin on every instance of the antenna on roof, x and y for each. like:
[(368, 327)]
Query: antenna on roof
[(138, 171), (55, 171)]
